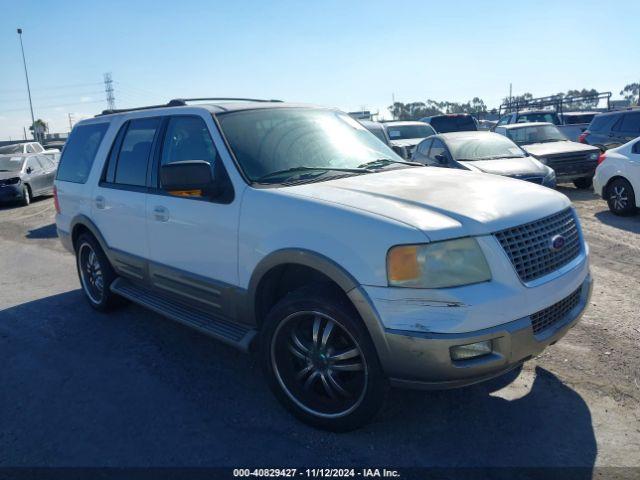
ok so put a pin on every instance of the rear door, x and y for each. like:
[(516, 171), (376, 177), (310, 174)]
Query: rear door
[(119, 201), (193, 240)]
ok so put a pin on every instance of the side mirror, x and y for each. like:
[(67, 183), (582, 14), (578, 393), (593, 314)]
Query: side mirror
[(442, 159), (29, 170), (189, 178)]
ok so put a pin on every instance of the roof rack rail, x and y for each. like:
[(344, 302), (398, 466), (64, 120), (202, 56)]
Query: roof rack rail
[(183, 101), (180, 102), (558, 102)]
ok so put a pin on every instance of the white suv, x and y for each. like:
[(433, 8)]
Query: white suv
[(293, 230)]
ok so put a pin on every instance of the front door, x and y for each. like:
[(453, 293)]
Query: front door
[(119, 201), (193, 240)]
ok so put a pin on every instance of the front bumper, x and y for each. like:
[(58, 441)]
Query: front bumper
[(423, 360), (10, 193)]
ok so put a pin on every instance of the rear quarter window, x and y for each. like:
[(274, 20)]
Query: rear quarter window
[(80, 152)]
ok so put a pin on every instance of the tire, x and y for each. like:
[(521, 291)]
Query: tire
[(302, 337), (26, 196), (620, 197), (583, 183), (96, 274)]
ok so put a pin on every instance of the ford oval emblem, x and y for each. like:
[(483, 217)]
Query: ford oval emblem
[(556, 243)]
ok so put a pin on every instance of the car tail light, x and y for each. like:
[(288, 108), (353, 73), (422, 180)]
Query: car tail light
[(583, 137), (602, 158), (55, 199)]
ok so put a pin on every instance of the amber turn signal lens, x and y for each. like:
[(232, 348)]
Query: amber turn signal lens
[(402, 263)]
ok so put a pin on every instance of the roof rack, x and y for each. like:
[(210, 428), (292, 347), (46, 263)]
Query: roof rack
[(558, 102), (180, 102)]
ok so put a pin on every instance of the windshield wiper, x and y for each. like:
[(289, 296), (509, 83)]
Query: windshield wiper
[(381, 162), (306, 169)]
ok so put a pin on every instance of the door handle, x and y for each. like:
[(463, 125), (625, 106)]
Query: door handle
[(161, 214), (100, 202)]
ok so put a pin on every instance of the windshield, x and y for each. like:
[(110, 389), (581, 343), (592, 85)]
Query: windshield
[(11, 149), (11, 164), (454, 123), (535, 134), (273, 140), (484, 147), (405, 132)]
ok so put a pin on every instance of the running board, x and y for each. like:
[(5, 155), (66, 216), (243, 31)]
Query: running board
[(231, 333)]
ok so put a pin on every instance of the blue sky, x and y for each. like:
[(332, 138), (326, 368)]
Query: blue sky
[(340, 53)]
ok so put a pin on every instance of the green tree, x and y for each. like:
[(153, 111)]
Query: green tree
[(631, 92), (584, 104)]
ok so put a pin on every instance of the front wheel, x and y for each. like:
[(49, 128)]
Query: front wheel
[(320, 361), (621, 197), (583, 183), (26, 196)]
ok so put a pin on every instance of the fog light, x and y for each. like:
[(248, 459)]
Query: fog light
[(473, 350)]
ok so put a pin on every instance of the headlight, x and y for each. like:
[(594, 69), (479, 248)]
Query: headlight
[(594, 156), (450, 263), (11, 181)]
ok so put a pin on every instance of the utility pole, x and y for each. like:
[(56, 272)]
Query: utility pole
[(24, 61), (510, 94), (70, 123), (108, 89)]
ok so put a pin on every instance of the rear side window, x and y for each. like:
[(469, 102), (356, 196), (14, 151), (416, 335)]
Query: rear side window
[(630, 123), (602, 122), (80, 152), (131, 168)]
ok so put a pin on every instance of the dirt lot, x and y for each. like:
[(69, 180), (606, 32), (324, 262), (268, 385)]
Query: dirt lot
[(134, 389)]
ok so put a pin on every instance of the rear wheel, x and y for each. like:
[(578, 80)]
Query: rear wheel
[(583, 183), (96, 274), (320, 362), (621, 197)]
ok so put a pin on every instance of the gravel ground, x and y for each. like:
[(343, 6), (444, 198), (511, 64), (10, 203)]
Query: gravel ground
[(79, 388)]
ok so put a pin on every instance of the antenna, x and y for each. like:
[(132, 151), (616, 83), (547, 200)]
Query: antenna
[(108, 89)]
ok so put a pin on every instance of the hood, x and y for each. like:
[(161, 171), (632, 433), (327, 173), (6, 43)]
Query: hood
[(5, 175), (508, 166), (443, 203), (555, 148)]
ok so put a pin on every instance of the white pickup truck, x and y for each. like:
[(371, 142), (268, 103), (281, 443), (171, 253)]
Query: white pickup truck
[(293, 231)]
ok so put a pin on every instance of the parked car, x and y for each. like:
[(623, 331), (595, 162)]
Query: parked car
[(404, 136), (23, 177), (27, 147), (292, 230), (611, 130), (453, 122), (566, 122), (377, 129), (572, 161), (483, 152), (617, 178)]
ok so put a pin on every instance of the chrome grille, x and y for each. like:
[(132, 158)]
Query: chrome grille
[(529, 246), (544, 319)]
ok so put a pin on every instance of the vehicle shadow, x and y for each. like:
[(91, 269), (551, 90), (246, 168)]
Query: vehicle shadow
[(630, 224), (81, 388), (577, 194), (47, 231)]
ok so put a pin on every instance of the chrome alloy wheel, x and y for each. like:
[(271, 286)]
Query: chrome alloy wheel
[(91, 273), (619, 197), (319, 364)]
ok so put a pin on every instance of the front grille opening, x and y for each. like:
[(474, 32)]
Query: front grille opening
[(548, 317), (529, 246)]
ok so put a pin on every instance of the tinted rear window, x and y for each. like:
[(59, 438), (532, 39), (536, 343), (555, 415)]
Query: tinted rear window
[(460, 123), (575, 119), (80, 152), (602, 122)]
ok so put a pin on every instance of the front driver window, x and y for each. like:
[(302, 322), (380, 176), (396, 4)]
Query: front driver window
[(187, 138)]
